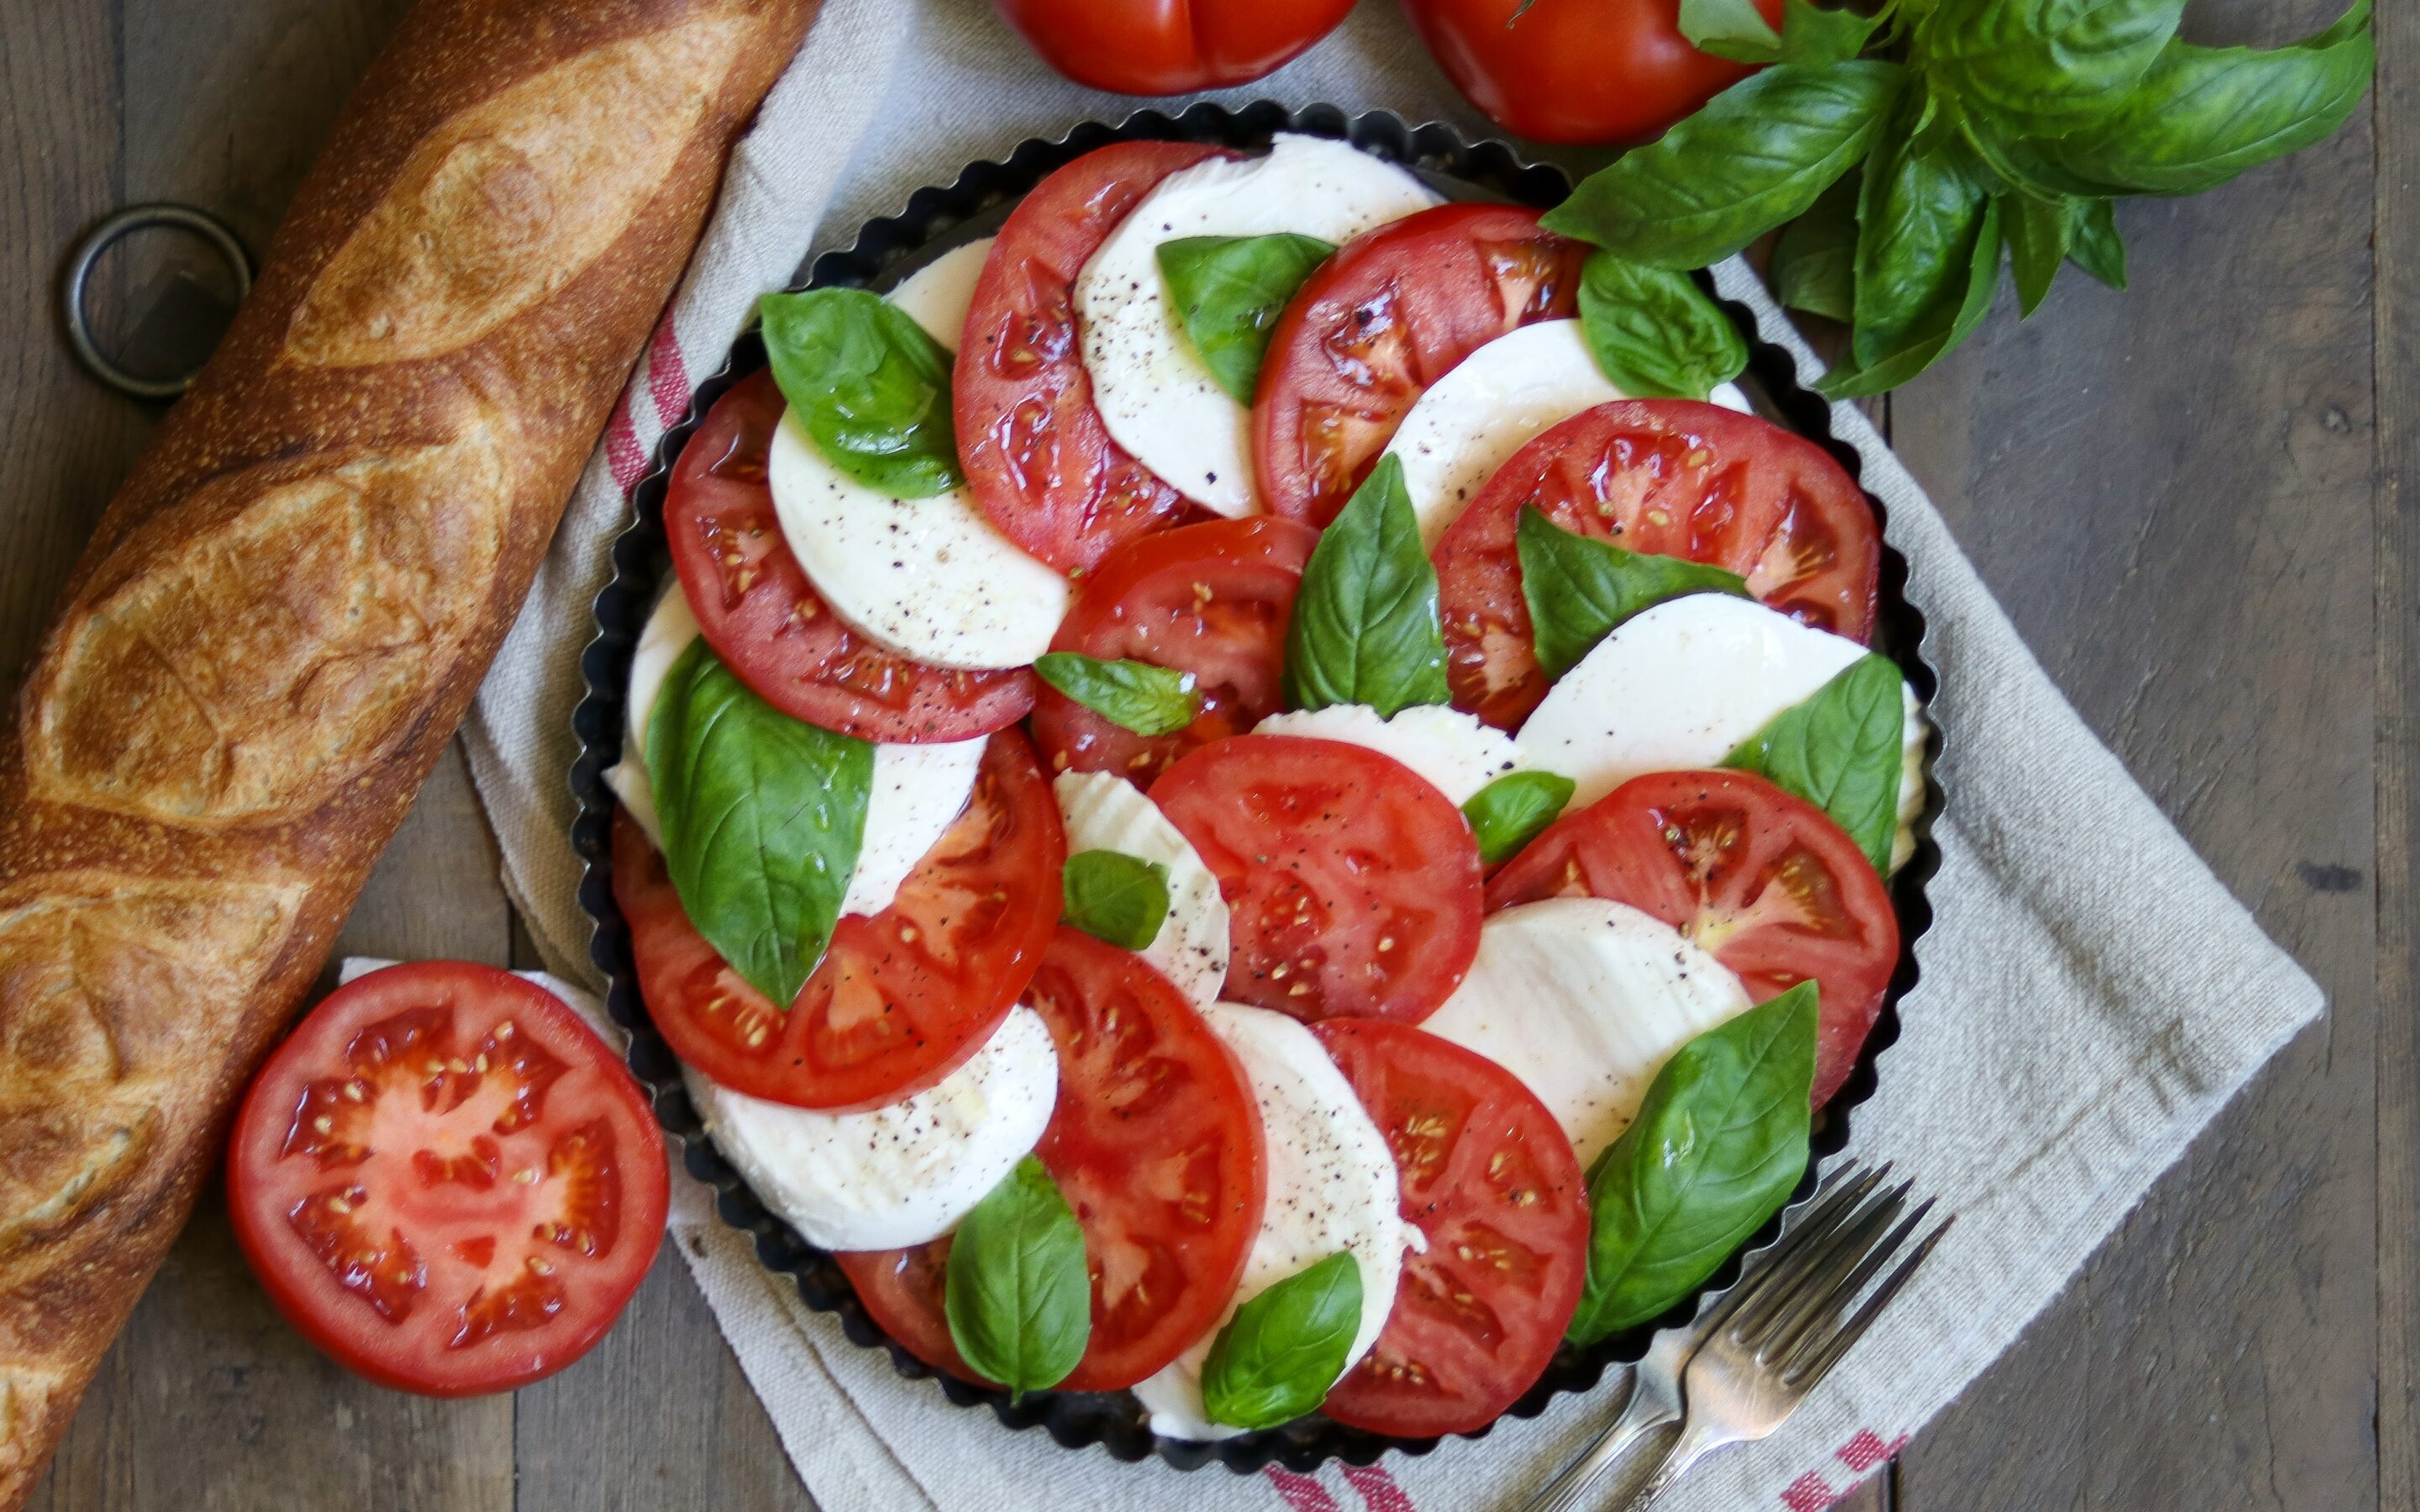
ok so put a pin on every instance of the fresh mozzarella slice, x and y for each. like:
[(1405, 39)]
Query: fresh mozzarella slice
[(898, 1175), (1332, 1186), (1680, 684), (1585, 1001), (1494, 402), (1453, 750), (1154, 393), (936, 295), (669, 630), (1104, 812)]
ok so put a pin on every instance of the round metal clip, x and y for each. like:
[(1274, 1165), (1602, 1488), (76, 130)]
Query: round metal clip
[(79, 276)]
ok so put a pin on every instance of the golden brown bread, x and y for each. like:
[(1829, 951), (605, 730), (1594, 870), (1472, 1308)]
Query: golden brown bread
[(285, 609)]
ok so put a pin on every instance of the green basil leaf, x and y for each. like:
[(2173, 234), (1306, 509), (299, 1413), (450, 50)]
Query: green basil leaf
[(1720, 1143), (2039, 232), (2203, 115), (1134, 695), (2022, 164), (870, 385), (1365, 628), (1230, 291), (1018, 1296), (2044, 67), (1842, 751), (762, 817), (1509, 812), (1818, 34), (1580, 588), (1654, 332), (1733, 29), (1277, 1357), (1917, 223), (1755, 155), (1115, 897), (1815, 263), (1950, 323), (2096, 246)]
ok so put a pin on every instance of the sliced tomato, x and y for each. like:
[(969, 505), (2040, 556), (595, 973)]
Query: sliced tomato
[(1670, 477), (1352, 885), (901, 998), (757, 610), (446, 1182), (1391, 313), (1036, 453), (1212, 599), (1156, 1143), (1495, 1190), (1765, 881)]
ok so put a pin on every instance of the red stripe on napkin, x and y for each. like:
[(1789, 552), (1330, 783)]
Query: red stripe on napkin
[(667, 375), (622, 454), (1378, 1490), (1301, 1492)]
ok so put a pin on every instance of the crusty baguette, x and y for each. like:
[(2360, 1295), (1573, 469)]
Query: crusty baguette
[(285, 609)]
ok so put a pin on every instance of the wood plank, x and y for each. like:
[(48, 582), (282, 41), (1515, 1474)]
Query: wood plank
[(2171, 492)]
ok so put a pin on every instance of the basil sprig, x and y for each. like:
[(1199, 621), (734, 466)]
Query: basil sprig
[(1018, 1295), (1736, 29), (1509, 812), (1718, 1147), (1581, 589), (870, 385), (1115, 897), (1365, 627), (1230, 291), (1134, 695), (1653, 333), (1842, 751), (762, 816), (1277, 1357)]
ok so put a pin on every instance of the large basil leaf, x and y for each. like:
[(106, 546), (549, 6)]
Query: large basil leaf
[(1916, 221), (1509, 812), (2044, 67), (1718, 1146), (2203, 115), (1755, 155), (1017, 1294), (762, 817), (1581, 589), (1230, 291), (1815, 262), (2022, 164), (1733, 29), (2095, 245), (1135, 695), (1365, 628), (1115, 897), (1277, 1357), (872, 386), (1821, 34), (1950, 323), (1843, 751), (2039, 232), (1654, 332)]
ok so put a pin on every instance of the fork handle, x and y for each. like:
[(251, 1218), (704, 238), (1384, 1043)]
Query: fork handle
[(1645, 1412), (1696, 1441)]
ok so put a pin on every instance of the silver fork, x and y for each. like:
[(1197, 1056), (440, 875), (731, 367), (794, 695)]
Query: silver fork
[(1745, 1367)]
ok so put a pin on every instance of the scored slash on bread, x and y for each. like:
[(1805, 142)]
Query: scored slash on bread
[(289, 603)]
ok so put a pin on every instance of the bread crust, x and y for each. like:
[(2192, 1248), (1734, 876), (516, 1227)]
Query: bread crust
[(287, 605)]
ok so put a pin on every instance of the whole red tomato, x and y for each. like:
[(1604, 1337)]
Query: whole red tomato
[(1575, 71), (1170, 47)]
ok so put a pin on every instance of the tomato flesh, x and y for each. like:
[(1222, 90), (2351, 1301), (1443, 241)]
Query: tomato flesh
[(1145, 47), (1669, 477), (446, 1182), (1495, 1190), (1391, 313), (903, 1291), (1352, 885), (901, 998), (1764, 879), (1211, 599)]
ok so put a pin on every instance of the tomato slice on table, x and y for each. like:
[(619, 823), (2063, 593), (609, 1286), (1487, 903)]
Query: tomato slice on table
[(1669, 477), (1036, 453), (446, 1182), (1156, 1143), (901, 998), (1212, 599), (1391, 313), (1352, 885), (764, 618), (1764, 879), (1492, 1186)]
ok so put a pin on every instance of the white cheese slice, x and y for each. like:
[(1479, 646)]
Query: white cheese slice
[(936, 296), (1104, 812), (1456, 753), (1154, 393), (1493, 403), (1584, 1000), (669, 630), (1331, 1187), (898, 1175)]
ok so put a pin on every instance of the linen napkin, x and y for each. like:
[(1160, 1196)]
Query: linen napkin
[(2091, 995)]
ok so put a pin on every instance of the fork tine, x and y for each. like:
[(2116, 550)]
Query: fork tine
[(1822, 1266), (1779, 1266), (1825, 1313), (1804, 1375)]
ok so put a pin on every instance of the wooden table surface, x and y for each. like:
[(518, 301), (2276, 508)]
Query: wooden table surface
[(2199, 501)]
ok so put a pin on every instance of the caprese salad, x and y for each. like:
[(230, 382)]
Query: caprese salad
[(1263, 790)]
